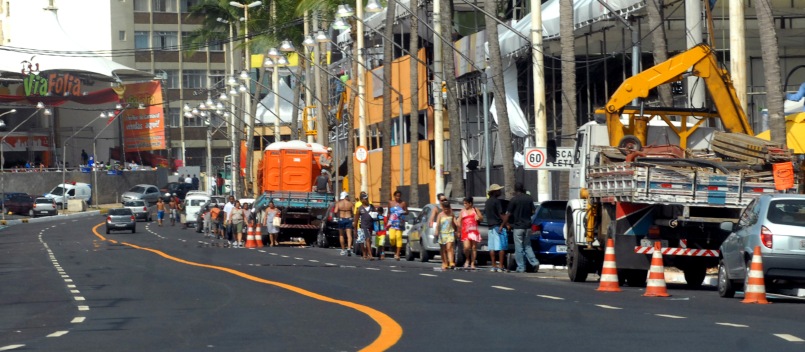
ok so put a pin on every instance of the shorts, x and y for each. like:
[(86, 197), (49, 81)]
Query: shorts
[(160, 214), (498, 241), (361, 238), (445, 238), (215, 226), (381, 240), (344, 223), (470, 236), (395, 238), (237, 228)]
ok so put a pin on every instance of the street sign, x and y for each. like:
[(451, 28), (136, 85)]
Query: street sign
[(538, 159), (361, 154)]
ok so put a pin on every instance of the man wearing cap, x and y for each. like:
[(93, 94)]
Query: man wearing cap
[(326, 160), (343, 212), (497, 240)]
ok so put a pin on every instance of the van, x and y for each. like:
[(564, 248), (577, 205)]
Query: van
[(75, 190), (193, 203)]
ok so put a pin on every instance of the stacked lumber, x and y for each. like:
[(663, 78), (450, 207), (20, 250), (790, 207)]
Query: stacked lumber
[(748, 149)]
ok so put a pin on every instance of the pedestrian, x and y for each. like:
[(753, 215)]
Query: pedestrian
[(468, 223), (207, 220), (84, 157), (326, 160), (160, 211), (219, 183), (188, 179), (497, 238), (398, 208), (172, 207), (343, 215), (196, 182), (181, 210), (235, 221), (272, 212), (436, 211), (322, 183), (364, 223), (215, 225), (446, 224), (518, 215), (381, 232), (230, 204), (248, 217)]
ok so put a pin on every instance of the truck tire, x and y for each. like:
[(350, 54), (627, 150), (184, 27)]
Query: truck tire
[(423, 253), (635, 277), (694, 276), (725, 287), (629, 143), (577, 263)]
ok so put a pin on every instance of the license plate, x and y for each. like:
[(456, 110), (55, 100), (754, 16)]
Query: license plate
[(120, 225), (561, 249), (650, 243), (43, 212), (801, 244)]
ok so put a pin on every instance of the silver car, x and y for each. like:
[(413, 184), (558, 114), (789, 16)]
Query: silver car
[(140, 209), (148, 193), (776, 224)]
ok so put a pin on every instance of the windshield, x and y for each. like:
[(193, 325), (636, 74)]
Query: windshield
[(137, 189), (134, 203), (197, 202), (551, 212), (122, 211), (44, 201), (57, 191), (787, 212)]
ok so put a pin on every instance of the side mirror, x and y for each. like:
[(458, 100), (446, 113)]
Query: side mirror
[(727, 226)]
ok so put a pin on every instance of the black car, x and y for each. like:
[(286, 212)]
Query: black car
[(328, 232), (179, 188)]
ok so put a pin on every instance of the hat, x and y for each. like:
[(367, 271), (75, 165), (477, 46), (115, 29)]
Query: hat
[(344, 195), (329, 149), (494, 187), (364, 195)]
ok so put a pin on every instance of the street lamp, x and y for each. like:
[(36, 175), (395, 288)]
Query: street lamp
[(114, 116), (64, 154), (373, 6), (39, 107)]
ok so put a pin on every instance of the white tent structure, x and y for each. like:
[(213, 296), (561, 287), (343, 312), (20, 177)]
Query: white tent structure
[(53, 50)]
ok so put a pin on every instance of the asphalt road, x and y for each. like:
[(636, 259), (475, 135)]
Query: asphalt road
[(69, 287)]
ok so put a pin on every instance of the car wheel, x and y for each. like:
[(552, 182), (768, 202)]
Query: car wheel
[(725, 287), (107, 230), (31, 213), (576, 261), (634, 277), (409, 254), (424, 256), (133, 229), (694, 276), (511, 262)]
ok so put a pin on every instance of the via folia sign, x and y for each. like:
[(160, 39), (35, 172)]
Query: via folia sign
[(53, 84)]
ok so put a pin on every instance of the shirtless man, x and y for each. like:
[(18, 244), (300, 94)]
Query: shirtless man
[(343, 210), (160, 211), (172, 207)]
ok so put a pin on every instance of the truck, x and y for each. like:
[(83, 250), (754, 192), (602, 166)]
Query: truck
[(286, 175), (642, 175)]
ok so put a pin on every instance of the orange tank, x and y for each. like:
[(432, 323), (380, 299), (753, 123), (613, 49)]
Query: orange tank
[(291, 166)]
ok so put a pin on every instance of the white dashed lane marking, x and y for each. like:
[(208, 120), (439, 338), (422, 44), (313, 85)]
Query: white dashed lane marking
[(503, 288), (372, 268), (313, 261), (669, 316), (11, 347), (551, 297), (461, 280), (606, 306), (789, 338), (78, 320), (58, 333), (430, 275), (733, 325), (79, 298), (83, 308), (397, 271)]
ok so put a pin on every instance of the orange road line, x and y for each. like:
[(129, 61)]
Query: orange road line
[(390, 330)]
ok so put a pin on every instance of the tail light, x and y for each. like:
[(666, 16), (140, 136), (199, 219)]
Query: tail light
[(108, 219), (766, 237), (145, 209), (34, 205), (536, 228), (132, 218)]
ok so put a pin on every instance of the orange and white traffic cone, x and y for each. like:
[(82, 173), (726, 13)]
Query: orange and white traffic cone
[(609, 273), (755, 290), (250, 237), (655, 286), (258, 236)]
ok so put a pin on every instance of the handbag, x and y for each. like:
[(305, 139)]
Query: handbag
[(276, 222)]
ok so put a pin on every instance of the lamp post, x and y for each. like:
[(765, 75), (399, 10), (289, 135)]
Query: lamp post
[(64, 155), (39, 107), (114, 116)]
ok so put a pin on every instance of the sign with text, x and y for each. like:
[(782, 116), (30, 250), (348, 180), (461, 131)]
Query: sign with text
[(144, 128), (539, 159)]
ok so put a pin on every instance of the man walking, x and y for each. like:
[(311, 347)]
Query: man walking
[(498, 240), (343, 212), (397, 211), (196, 182), (518, 215)]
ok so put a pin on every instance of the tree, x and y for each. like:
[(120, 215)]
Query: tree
[(499, 91), (771, 69), (388, 55), (568, 57), (655, 22), (413, 49), (454, 118)]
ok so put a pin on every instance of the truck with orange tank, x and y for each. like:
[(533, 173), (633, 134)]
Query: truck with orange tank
[(643, 175), (287, 175)]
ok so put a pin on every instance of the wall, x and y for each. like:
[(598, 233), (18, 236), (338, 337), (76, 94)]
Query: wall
[(109, 187)]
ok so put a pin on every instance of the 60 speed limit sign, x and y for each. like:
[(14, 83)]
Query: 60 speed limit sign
[(535, 158)]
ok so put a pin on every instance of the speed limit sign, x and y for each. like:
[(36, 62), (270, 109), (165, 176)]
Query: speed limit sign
[(534, 158), (361, 154)]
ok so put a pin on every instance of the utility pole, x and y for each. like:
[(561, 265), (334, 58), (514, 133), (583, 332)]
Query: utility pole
[(438, 118), (738, 50), (540, 118), (308, 74), (362, 138), (693, 28)]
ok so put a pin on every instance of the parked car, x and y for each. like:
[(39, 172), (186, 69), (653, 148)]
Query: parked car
[(8, 196), (776, 224), (220, 200), (148, 193), (44, 206), (193, 203), (328, 232), (140, 209), (421, 241), (75, 190), (547, 232), (120, 219), (179, 188), (22, 204)]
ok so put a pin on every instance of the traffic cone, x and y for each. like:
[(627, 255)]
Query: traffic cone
[(755, 290), (655, 286), (250, 238), (258, 236), (609, 273)]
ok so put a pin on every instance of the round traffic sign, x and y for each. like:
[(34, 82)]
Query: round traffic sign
[(361, 154), (535, 158)]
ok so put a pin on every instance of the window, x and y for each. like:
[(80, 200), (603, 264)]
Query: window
[(216, 44), (166, 40), (187, 5), (121, 35), (141, 5), (194, 79), (172, 79), (164, 5), (141, 40), (173, 116), (217, 78)]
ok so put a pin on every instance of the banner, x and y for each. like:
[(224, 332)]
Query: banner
[(144, 128)]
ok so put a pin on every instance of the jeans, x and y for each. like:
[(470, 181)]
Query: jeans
[(522, 243)]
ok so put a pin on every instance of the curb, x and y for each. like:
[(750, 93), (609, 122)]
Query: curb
[(53, 218)]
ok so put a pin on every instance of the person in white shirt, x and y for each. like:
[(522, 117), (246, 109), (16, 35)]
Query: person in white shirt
[(230, 204), (188, 179)]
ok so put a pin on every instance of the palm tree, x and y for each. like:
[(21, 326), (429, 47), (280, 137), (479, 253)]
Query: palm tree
[(456, 159), (568, 57), (499, 91), (388, 53), (413, 49), (655, 22), (771, 69)]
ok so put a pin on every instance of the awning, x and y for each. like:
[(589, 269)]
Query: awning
[(53, 50)]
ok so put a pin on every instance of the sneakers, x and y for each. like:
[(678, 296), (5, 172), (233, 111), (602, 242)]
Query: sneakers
[(343, 252), (349, 252)]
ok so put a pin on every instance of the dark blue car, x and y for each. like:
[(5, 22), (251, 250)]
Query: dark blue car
[(547, 232)]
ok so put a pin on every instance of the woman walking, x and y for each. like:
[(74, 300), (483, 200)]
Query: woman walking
[(272, 212), (469, 217), (446, 235), (236, 219)]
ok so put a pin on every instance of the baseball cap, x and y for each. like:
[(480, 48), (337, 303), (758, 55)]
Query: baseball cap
[(364, 195), (344, 195)]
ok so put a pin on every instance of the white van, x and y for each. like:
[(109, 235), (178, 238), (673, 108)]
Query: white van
[(75, 190), (193, 202)]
